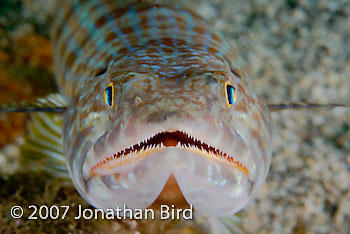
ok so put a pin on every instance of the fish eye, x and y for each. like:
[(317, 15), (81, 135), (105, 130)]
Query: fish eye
[(231, 94), (109, 95)]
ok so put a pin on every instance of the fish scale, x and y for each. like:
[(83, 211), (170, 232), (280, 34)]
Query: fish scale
[(141, 36)]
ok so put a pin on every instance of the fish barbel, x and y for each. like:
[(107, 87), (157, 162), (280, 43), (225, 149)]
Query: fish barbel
[(157, 104)]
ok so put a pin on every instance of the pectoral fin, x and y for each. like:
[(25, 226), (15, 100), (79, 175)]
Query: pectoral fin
[(43, 146)]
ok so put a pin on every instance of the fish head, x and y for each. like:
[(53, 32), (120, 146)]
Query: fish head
[(139, 139)]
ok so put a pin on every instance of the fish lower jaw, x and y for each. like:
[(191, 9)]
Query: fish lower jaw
[(124, 160), (173, 177)]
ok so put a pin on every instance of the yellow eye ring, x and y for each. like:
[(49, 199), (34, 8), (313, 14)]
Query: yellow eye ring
[(230, 93), (109, 95)]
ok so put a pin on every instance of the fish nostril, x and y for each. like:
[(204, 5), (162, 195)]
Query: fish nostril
[(101, 71), (162, 116)]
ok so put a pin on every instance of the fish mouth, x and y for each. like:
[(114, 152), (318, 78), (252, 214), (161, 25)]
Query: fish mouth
[(112, 164)]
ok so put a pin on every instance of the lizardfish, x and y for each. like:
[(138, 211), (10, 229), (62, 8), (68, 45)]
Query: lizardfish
[(159, 109)]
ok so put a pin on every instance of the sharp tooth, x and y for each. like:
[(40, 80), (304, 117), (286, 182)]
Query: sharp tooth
[(201, 142), (161, 144), (178, 143)]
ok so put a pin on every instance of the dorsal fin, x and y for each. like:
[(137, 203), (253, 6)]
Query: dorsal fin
[(280, 107), (51, 103)]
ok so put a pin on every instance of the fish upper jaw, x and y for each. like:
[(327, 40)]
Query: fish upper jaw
[(120, 150)]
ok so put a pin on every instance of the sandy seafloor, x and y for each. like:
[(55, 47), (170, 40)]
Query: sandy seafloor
[(295, 51)]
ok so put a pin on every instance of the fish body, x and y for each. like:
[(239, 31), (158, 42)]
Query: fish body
[(157, 101)]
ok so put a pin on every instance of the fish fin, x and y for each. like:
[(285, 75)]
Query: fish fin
[(51, 103), (42, 150), (280, 107), (226, 225)]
